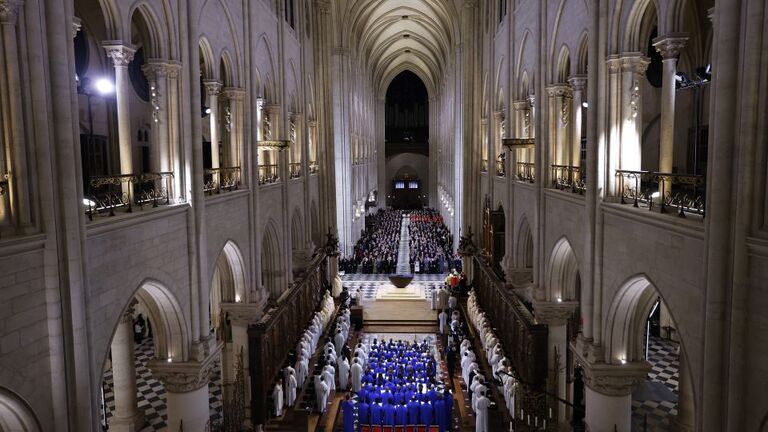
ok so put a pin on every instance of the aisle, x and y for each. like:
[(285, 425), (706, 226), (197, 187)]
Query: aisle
[(404, 250)]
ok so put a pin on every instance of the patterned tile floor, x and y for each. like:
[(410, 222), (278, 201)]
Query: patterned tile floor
[(370, 283), (658, 397), (151, 393)]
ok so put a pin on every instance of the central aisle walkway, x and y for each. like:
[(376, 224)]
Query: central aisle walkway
[(404, 249)]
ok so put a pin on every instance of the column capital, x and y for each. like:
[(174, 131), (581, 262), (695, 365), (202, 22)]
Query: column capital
[(156, 68), (127, 316), (613, 62), (9, 11), (244, 313), (578, 82), (554, 313), (233, 93), (615, 380), (634, 62), (77, 24), (561, 90), (120, 53), (212, 87), (184, 377), (498, 115), (521, 105), (323, 6), (669, 46), (272, 109)]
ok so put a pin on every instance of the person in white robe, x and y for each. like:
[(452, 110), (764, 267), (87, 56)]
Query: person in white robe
[(302, 371), (343, 373), (453, 302), (292, 384), (322, 395), (481, 413), (277, 398), (339, 340), (443, 317), (357, 375), (329, 374)]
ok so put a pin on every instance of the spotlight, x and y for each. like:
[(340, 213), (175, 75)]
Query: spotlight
[(585, 104), (104, 86)]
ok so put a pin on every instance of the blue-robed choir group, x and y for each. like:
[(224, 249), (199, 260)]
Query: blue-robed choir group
[(396, 384)]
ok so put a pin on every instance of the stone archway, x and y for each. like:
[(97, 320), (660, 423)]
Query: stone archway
[(15, 414)]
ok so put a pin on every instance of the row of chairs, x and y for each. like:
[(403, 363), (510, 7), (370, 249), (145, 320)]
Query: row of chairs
[(409, 428)]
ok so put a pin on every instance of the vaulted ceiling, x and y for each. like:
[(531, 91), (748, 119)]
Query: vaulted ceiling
[(396, 35)]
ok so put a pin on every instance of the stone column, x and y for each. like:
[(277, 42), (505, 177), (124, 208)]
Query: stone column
[(176, 165), (156, 72), (613, 138), (121, 55), (608, 394), (559, 117), (240, 316), (555, 315), (213, 89), (578, 86), (235, 97), (633, 68), (686, 411), (669, 47), (16, 142), (127, 416), (186, 391)]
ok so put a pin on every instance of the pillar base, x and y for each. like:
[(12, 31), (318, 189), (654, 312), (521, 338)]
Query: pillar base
[(127, 424)]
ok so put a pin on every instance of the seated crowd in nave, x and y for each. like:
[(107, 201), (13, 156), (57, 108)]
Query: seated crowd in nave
[(376, 250), (431, 243)]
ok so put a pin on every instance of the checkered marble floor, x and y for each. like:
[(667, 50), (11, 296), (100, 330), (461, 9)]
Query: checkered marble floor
[(151, 393), (662, 355), (371, 287)]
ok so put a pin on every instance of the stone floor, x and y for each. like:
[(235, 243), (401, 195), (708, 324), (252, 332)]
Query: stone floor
[(656, 400), (151, 393)]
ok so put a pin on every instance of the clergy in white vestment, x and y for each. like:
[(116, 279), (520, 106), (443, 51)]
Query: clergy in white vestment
[(329, 374), (322, 395), (481, 413), (339, 340), (343, 373), (277, 398), (443, 317), (292, 384), (357, 375)]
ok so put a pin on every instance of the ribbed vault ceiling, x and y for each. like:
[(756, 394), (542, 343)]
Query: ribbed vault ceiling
[(396, 35)]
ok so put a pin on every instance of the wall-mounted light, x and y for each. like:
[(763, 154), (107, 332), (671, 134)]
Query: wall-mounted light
[(585, 104), (104, 86)]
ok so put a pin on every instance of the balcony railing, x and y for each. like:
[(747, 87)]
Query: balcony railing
[(106, 194), (501, 169), (484, 165), (568, 177), (313, 167), (684, 193), (224, 179), (526, 171), (268, 174), (294, 170)]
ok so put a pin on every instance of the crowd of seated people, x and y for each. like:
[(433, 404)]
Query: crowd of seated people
[(431, 243), (376, 251), (396, 383)]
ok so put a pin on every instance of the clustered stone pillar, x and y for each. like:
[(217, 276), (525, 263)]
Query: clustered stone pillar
[(633, 68), (10, 85), (578, 87), (121, 55), (213, 88), (608, 394), (555, 315), (669, 47), (235, 98), (126, 417), (156, 72), (186, 392)]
